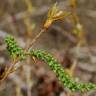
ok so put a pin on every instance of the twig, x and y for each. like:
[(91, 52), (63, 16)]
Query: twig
[(34, 39)]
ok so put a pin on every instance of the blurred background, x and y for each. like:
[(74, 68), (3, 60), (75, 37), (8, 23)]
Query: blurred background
[(74, 47)]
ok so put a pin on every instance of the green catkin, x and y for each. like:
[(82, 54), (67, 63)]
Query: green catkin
[(63, 77), (60, 73), (14, 49)]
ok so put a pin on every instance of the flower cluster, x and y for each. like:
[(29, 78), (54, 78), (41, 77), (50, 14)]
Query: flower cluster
[(67, 81), (13, 48)]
